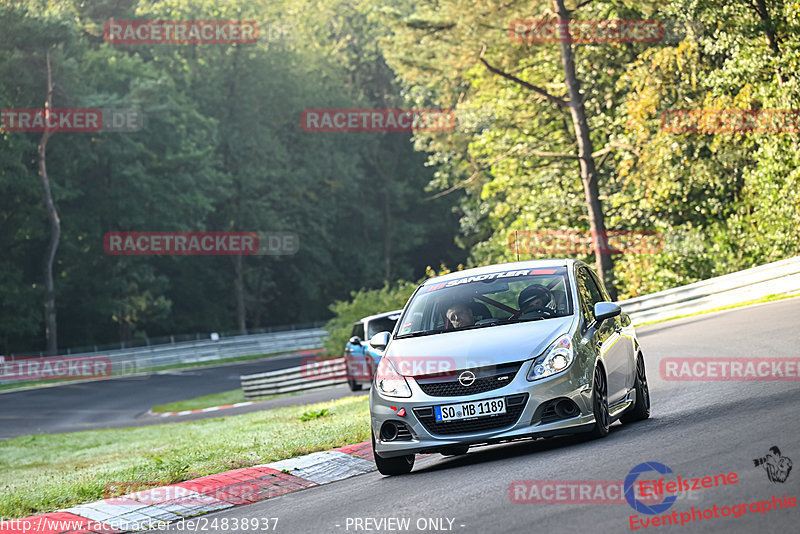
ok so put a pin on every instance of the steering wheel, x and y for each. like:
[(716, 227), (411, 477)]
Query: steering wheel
[(543, 311)]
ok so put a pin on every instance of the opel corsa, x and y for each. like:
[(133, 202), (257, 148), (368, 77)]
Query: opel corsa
[(497, 353)]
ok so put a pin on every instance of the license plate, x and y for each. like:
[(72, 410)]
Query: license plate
[(465, 410)]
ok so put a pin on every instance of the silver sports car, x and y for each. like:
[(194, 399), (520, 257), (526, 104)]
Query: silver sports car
[(497, 353)]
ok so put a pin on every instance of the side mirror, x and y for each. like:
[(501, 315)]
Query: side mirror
[(380, 340), (355, 340), (605, 310)]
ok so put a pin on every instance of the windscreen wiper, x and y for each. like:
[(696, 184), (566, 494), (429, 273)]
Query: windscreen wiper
[(424, 333)]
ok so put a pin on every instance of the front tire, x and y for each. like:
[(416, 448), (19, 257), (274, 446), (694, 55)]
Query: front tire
[(641, 409), (351, 383), (602, 418), (399, 465)]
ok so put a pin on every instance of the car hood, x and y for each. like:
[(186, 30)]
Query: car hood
[(479, 347)]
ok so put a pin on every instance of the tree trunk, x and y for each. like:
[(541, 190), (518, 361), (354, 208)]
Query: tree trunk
[(760, 7), (231, 163), (238, 289), (387, 234), (603, 260), (51, 329)]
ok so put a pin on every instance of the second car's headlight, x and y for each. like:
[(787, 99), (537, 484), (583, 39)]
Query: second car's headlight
[(554, 360), (389, 381)]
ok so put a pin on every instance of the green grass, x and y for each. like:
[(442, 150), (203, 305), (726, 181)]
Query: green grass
[(215, 399), (768, 298), (43, 473), (206, 401)]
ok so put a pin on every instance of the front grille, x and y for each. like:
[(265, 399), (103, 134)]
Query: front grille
[(389, 428), (486, 379), (514, 406), (403, 433), (549, 414), (546, 413)]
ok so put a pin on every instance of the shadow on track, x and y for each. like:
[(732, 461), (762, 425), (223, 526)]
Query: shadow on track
[(504, 451)]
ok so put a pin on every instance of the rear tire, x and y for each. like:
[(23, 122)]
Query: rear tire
[(602, 418), (641, 409), (399, 465)]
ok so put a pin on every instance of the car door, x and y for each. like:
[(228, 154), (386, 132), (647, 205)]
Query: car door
[(607, 340), (355, 354), (624, 328)]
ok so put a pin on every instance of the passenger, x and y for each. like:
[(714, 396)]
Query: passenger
[(460, 315)]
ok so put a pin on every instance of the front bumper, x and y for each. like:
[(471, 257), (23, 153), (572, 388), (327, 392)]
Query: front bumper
[(574, 384)]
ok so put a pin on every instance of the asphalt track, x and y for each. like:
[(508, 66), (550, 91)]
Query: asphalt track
[(124, 402), (696, 428)]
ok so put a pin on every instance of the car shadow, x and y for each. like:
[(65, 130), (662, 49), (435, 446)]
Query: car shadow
[(515, 449)]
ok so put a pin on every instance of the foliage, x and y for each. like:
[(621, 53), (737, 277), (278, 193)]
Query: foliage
[(723, 202), (221, 149), (365, 302), (313, 414), (362, 303)]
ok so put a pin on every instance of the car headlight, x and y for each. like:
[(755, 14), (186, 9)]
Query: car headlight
[(389, 381), (555, 359)]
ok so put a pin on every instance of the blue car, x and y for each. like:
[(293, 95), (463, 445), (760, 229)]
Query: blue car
[(362, 359)]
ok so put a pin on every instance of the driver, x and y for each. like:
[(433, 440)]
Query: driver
[(460, 315), (534, 298)]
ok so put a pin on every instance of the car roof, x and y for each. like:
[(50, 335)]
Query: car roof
[(379, 316), (528, 264)]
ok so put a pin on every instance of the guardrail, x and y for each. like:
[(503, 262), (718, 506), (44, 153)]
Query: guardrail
[(771, 279), (775, 278), (308, 376), (146, 359)]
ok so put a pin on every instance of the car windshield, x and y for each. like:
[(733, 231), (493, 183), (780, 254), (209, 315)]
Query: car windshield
[(486, 300), (382, 324)]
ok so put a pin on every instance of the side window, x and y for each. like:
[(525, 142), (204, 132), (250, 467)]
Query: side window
[(358, 330), (589, 294), (603, 292), (584, 297)]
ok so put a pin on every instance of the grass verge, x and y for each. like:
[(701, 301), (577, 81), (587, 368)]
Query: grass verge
[(215, 399), (198, 403), (768, 298), (43, 473)]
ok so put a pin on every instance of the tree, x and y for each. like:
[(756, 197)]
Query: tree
[(436, 50)]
